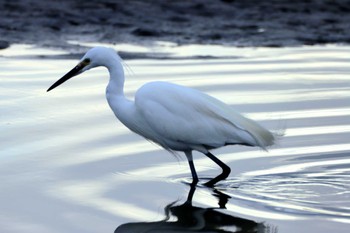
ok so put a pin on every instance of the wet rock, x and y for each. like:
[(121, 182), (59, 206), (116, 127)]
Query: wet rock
[(178, 19), (145, 32), (4, 44)]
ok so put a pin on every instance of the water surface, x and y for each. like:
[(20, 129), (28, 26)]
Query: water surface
[(67, 165)]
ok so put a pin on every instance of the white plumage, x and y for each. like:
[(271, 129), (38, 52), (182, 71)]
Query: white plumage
[(176, 117)]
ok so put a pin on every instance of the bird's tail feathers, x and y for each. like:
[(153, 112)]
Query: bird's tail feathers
[(261, 136)]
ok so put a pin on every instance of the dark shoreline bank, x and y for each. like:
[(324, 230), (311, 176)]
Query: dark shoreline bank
[(227, 22)]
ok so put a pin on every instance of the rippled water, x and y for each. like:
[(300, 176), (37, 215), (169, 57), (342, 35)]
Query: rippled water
[(67, 165)]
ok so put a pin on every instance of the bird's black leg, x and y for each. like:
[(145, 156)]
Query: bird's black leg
[(191, 193), (193, 169), (225, 170)]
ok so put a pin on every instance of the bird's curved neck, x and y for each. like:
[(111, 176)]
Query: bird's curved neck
[(121, 106), (116, 77)]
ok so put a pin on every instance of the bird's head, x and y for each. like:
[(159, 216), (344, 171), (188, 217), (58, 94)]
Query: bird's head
[(97, 56)]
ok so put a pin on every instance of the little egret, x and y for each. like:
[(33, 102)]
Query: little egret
[(177, 118)]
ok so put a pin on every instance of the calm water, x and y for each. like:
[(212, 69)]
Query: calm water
[(67, 165)]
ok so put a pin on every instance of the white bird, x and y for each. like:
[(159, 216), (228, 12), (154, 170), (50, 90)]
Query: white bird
[(177, 118)]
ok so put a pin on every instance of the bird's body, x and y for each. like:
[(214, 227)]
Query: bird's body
[(180, 118), (177, 118)]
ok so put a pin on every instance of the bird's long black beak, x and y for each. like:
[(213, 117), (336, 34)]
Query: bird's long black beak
[(75, 71)]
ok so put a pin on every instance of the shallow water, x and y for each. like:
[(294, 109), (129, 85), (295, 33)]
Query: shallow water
[(67, 165)]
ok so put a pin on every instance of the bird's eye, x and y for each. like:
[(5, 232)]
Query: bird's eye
[(87, 61)]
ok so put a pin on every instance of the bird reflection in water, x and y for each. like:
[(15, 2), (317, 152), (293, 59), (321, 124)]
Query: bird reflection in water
[(190, 218)]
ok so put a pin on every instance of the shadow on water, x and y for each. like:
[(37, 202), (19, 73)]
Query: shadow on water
[(189, 218)]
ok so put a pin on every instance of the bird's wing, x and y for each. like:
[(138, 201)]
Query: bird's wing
[(186, 115)]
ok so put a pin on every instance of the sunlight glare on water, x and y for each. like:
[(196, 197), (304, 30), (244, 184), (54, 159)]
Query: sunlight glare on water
[(66, 149)]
